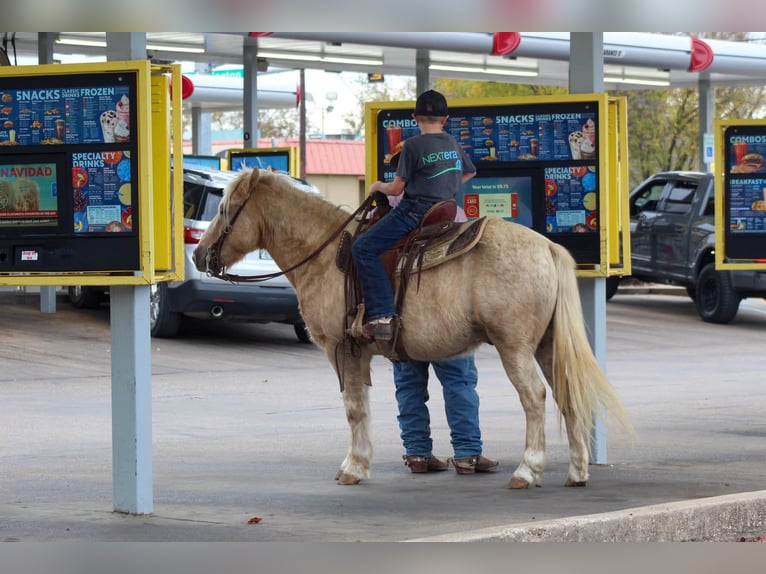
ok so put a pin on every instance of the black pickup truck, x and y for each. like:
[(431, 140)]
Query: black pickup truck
[(672, 240)]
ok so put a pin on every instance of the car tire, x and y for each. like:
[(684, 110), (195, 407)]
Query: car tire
[(302, 332), (85, 297), (612, 284), (163, 322), (717, 302)]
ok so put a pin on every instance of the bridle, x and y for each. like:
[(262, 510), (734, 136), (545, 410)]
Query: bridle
[(213, 254)]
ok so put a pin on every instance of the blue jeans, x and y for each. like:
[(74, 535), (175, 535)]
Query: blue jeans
[(458, 377), (370, 245)]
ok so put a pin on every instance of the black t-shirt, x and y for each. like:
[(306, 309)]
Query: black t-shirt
[(432, 166)]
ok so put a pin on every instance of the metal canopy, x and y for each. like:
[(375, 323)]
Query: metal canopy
[(627, 55)]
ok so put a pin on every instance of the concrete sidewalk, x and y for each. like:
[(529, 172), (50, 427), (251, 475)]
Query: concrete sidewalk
[(248, 423)]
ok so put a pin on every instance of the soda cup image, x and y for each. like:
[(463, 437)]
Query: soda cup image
[(393, 138), (740, 150)]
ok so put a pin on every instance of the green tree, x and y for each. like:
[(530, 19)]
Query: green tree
[(392, 90), (470, 89)]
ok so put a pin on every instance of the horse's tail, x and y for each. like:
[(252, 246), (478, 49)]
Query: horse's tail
[(579, 384)]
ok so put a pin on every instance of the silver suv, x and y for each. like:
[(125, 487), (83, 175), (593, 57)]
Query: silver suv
[(204, 297)]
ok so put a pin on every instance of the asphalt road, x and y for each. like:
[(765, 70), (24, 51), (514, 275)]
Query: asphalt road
[(248, 422)]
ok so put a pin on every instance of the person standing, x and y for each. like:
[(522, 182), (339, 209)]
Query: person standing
[(458, 377), (433, 166)]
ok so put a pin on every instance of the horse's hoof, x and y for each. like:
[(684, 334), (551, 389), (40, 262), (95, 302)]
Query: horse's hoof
[(345, 479), (571, 482), (517, 483)]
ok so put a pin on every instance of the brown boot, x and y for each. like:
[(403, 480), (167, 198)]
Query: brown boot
[(419, 464), (474, 464)]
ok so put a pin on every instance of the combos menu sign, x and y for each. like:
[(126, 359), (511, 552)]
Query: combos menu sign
[(537, 164), (742, 205)]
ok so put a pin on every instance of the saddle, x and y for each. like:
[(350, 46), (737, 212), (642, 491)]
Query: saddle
[(437, 240)]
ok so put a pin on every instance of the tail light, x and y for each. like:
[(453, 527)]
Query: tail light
[(192, 235)]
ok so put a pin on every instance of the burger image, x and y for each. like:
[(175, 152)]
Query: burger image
[(8, 124), (6, 97), (751, 163)]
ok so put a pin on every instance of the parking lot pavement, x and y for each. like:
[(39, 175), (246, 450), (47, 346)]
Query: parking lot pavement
[(248, 423)]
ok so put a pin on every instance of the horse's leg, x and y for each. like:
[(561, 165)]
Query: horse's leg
[(356, 377), (521, 370), (578, 449)]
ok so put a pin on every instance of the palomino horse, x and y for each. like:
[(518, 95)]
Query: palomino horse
[(515, 289)]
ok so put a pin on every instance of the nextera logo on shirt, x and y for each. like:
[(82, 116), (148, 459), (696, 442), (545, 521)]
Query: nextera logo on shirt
[(440, 156)]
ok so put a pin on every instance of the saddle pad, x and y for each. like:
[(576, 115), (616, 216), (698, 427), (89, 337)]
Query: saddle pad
[(441, 250)]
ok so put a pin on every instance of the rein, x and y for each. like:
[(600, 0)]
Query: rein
[(215, 249)]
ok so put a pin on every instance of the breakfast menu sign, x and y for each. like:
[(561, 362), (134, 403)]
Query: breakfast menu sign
[(65, 115)]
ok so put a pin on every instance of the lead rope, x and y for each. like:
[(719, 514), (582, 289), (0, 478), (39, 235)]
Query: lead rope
[(365, 207)]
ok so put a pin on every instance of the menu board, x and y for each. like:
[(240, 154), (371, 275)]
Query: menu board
[(745, 191), (536, 165), (28, 194), (571, 201), (533, 132), (508, 197), (101, 192), (278, 161), (65, 115), (69, 147)]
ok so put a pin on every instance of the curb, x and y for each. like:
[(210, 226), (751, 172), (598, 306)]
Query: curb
[(717, 519)]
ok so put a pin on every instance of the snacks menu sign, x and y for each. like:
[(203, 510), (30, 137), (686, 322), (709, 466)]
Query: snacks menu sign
[(71, 115), (537, 164), (506, 134)]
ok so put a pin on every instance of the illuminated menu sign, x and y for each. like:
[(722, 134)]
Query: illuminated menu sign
[(745, 191), (68, 148), (62, 115), (537, 164)]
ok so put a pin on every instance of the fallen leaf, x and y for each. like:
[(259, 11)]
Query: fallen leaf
[(254, 520)]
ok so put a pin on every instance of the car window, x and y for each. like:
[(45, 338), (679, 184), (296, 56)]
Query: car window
[(679, 198), (193, 194), (209, 209), (647, 198)]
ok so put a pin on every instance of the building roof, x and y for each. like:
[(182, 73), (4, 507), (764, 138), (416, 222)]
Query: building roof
[(327, 156)]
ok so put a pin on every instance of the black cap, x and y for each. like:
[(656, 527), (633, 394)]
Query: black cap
[(431, 103)]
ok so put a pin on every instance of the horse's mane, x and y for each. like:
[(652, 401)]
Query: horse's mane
[(312, 206)]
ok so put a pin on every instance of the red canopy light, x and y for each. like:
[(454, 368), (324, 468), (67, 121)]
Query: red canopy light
[(187, 88), (701, 57), (505, 42)]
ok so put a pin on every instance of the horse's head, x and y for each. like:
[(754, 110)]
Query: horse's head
[(232, 234)]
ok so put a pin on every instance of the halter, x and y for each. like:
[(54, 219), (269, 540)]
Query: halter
[(214, 251)]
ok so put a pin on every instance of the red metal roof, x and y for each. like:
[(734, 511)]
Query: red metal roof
[(327, 156)]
